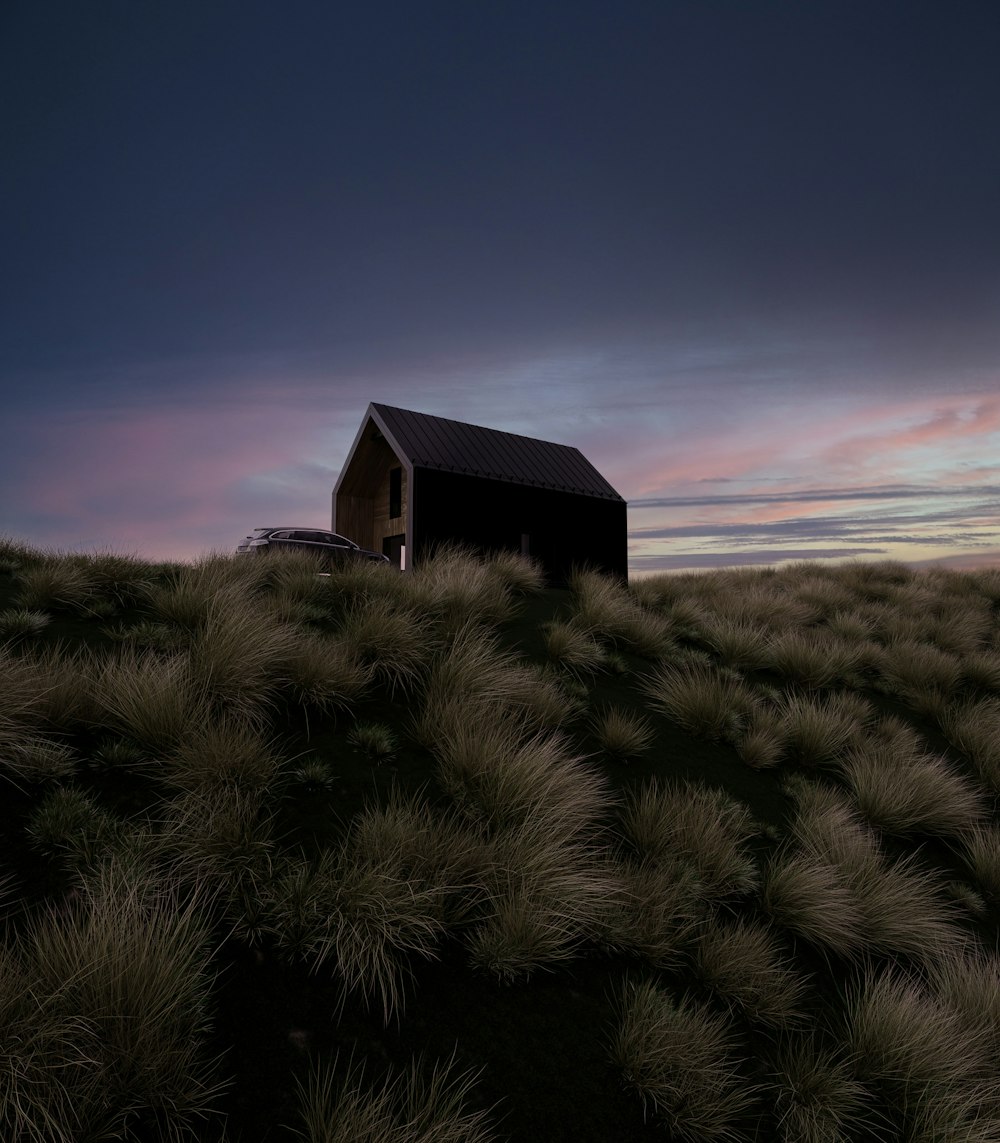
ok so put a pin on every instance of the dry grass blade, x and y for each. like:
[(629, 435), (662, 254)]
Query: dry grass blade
[(572, 648), (911, 792), (935, 1068)]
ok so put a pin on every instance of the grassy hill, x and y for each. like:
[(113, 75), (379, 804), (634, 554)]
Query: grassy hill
[(451, 856)]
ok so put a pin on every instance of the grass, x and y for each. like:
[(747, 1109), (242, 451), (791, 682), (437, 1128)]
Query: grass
[(22, 622), (573, 649), (705, 829), (839, 884), (150, 698), (412, 1105), (922, 1051), (376, 740), (911, 792), (707, 704), (744, 964), (796, 870), (621, 735), (818, 1099), (117, 1003), (678, 1056)]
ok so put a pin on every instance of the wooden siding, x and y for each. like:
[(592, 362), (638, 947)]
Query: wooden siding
[(361, 505), (384, 524)]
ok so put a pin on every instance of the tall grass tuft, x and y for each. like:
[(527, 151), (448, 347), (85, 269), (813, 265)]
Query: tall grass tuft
[(115, 1011), (905, 791), (150, 698), (621, 735), (55, 585), (818, 732), (320, 673), (921, 675), (543, 896), (934, 1067), (836, 888), (737, 642), (974, 728), (395, 643), (238, 657), (705, 702), (657, 912), (22, 623), (811, 658), (706, 829), (572, 648), (474, 681), (218, 753), (678, 1056), (456, 587), (69, 823), (29, 757), (981, 849), (743, 963), (372, 904), (817, 1098), (606, 609), (501, 777), (410, 1106), (521, 574)]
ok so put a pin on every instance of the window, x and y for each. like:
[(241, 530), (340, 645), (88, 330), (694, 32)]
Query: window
[(395, 493)]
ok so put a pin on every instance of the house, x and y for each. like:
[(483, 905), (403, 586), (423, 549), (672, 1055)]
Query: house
[(412, 481)]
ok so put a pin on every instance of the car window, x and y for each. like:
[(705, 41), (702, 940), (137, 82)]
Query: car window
[(335, 541), (284, 535)]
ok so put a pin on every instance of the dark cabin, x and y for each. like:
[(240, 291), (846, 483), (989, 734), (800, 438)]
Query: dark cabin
[(413, 481)]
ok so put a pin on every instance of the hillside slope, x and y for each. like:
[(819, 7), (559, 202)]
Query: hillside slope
[(454, 856)]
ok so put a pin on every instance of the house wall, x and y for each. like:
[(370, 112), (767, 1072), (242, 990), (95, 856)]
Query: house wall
[(361, 500), (384, 525), (563, 528)]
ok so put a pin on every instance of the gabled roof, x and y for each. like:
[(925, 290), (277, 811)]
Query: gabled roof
[(453, 446)]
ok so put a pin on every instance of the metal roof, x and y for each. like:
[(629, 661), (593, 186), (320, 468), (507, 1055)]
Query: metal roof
[(453, 446)]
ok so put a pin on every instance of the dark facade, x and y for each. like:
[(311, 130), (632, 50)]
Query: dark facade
[(413, 481)]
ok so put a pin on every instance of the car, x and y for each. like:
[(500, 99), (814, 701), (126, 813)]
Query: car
[(328, 547)]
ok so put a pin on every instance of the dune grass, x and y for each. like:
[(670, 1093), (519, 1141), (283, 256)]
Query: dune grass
[(678, 1055), (744, 964), (461, 805), (818, 1098), (835, 887), (933, 1064), (414, 1105), (116, 1005), (703, 701), (621, 735), (705, 829)]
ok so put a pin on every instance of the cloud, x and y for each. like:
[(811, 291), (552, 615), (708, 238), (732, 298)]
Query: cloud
[(652, 562)]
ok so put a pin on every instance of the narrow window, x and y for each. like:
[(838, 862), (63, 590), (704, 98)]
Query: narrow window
[(395, 493)]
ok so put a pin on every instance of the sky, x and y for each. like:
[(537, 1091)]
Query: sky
[(745, 255)]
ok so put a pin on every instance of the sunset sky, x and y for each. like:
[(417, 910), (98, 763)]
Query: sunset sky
[(745, 255)]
